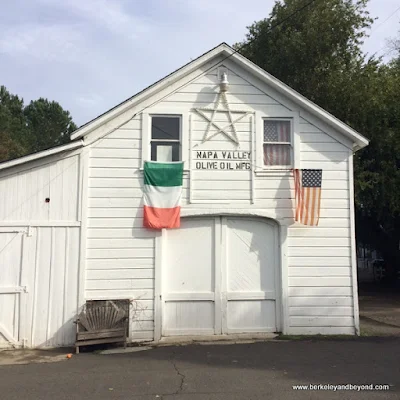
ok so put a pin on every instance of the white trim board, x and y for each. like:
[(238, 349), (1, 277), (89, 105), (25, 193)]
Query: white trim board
[(41, 154)]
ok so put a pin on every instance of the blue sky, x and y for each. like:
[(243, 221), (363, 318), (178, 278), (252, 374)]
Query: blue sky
[(90, 55)]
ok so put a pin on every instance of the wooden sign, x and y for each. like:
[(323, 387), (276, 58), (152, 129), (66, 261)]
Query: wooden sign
[(223, 160)]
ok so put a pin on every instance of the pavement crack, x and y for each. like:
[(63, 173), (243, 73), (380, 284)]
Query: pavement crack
[(183, 377)]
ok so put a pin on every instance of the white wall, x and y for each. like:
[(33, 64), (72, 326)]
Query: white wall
[(39, 252), (120, 259), (24, 190)]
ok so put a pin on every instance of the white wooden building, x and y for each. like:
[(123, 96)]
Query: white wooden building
[(71, 217)]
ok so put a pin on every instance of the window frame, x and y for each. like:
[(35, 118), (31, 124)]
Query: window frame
[(293, 118), (145, 132), (179, 140), (290, 143)]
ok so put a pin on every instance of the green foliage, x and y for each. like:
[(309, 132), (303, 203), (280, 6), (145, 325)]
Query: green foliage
[(318, 53), (24, 130), (48, 124)]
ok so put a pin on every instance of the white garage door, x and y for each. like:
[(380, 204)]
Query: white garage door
[(220, 276)]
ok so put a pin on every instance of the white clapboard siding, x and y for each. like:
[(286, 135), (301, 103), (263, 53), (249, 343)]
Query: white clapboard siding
[(323, 157), (112, 243), (120, 233), (318, 232), (234, 89), (125, 263), (323, 330), (319, 251), (310, 261), (120, 252), (321, 281), (315, 301), (117, 143), (321, 311), (321, 321), (115, 274), (323, 147), (298, 291), (319, 242), (114, 162), (142, 294), (105, 284), (320, 271)]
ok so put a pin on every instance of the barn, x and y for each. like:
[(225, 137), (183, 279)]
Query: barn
[(242, 259)]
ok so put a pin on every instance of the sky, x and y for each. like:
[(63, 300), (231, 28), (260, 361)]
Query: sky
[(90, 55)]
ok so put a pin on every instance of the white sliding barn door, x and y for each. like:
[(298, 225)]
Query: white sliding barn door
[(219, 275), (189, 278), (251, 247)]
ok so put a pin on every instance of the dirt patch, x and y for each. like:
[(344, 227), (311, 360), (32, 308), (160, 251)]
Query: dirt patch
[(379, 312), (15, 357)]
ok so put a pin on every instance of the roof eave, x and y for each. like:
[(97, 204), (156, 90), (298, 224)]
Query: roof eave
[(41, 154)]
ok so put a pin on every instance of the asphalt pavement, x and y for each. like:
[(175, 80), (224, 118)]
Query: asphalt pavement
[(263, 370)]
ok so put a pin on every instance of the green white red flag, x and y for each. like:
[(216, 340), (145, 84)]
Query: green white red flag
[(162, 194)]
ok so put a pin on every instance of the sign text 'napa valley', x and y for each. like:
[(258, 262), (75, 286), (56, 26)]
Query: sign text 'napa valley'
[(223, 160)]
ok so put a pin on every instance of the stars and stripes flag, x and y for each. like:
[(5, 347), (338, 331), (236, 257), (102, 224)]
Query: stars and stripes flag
[(308, 195), (277, 143)]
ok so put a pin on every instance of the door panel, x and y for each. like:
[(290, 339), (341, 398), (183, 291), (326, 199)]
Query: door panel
[(219, 276), (251, 280), (189, 278)]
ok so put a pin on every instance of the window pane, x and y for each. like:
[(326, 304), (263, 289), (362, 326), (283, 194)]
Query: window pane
[(277, 154), (160, 150), (165, 128), (276, 131)]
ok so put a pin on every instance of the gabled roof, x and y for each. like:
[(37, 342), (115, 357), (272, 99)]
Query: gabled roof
[(226, 51), (223, 50)]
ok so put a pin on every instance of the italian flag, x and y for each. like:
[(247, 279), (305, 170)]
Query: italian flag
[(162, 194)]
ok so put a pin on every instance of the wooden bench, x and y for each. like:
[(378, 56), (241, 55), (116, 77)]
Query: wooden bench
[(102, 321)]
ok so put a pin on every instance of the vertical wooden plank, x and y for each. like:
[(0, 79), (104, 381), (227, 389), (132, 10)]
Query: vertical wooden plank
[(189, 167), (35, 287), (218, 276), (296, 140), (253, 160), (72, 282), (56, 190), (56, 328), (146, 135), (258, 124), (28, 280), (84, 163), (66, 265), (284, 278), (224, 275), (278, 279), (353, 246), (50, 303), (158, 300)]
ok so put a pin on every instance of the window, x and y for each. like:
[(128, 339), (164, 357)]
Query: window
[(277, 143), (165, 138)]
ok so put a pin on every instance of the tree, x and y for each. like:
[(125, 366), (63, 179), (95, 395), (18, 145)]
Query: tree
[(315, 51), (48, 123), (13, 131), (24, 130), (318, 52)]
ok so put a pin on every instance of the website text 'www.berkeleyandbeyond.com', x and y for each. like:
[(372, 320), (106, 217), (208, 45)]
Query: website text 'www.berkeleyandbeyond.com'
[(335, 388)]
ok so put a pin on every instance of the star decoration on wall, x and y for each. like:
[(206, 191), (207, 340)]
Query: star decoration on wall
[(230, 134)]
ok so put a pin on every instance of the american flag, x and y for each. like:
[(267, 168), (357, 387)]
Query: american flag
[(308, 195), (276, 154)]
